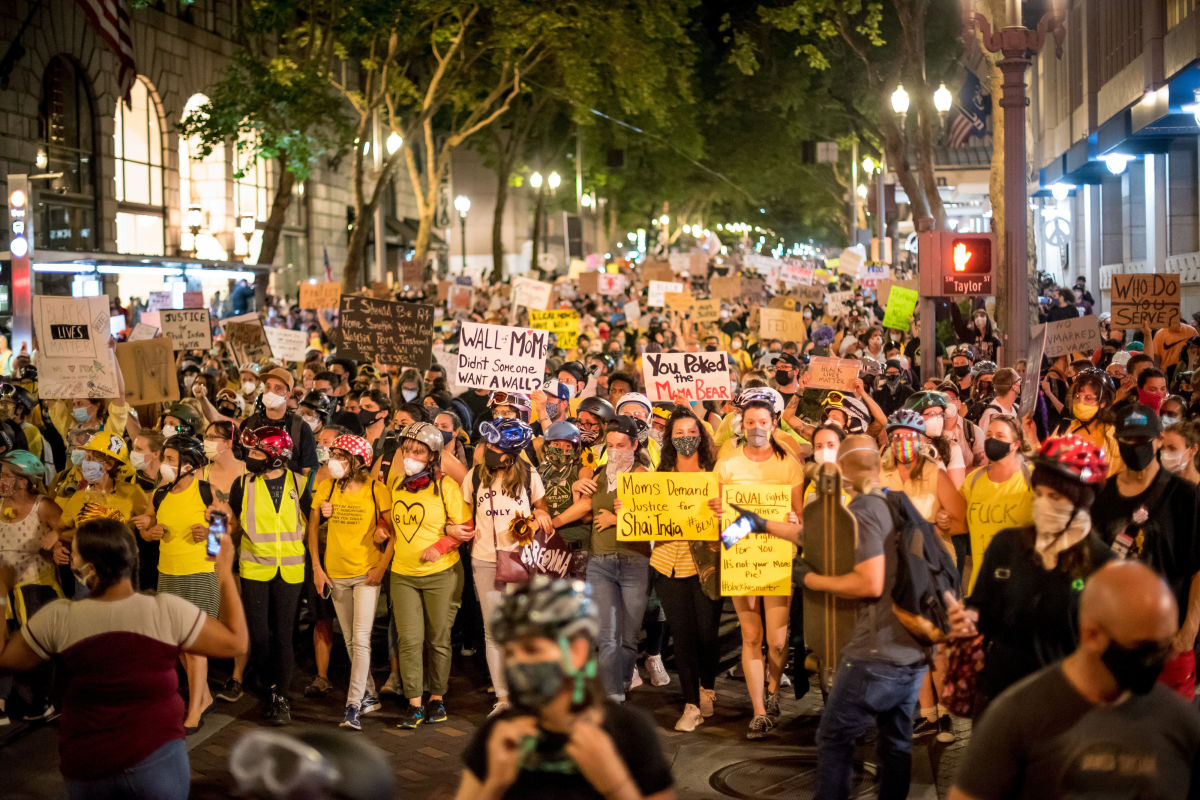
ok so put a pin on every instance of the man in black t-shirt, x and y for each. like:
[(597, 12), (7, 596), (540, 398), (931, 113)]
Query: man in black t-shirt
[(1095, 724)]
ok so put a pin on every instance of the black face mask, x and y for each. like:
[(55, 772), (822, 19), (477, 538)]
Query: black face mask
[(995, 449), (783, 377), (711, 348), (1135, 668), (533, 686), (257, 467), (962, 372), (492, 459), (1136, 456), (686, 445), (368, 418)]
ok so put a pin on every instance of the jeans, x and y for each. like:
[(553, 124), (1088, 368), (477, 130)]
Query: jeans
[(271, 620), (423, 606), (484, 573), (165, 774), (694, 618), (862, 691), (620, 585), (354, 602)]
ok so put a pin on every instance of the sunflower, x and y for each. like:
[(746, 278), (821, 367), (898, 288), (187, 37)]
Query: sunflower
[(522, 529), (588, 458)]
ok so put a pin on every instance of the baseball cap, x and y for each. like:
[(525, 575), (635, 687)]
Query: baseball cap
[(280, 374), (1120, 358), (1138, 422)]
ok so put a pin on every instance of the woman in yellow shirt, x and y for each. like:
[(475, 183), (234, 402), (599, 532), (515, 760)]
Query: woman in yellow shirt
[(428, 515), (356, 506), (998, 495)]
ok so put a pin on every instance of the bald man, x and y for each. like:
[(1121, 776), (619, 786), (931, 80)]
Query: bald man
[(1096, 724)]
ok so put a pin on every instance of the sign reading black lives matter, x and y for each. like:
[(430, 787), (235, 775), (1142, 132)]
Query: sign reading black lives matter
[(395, 333), (499, 357)]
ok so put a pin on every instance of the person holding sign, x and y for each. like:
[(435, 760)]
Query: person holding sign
[(760, 460), (1091, 397)]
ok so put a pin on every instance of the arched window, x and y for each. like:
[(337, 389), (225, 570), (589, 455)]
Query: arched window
[(202, 183), (67, 130), (251, 197), (138, 149)]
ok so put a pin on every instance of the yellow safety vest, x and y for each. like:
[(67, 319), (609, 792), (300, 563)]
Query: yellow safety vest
[(274, 540)]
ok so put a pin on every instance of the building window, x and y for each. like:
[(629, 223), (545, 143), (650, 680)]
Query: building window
[(202, 184), (138, 149), (66, 210), (251, 197)]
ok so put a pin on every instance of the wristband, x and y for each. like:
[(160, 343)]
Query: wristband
[(446, 544)]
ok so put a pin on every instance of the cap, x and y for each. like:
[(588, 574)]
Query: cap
[(281, 374), (1138, 422), (1120, 358), (1134, 347)]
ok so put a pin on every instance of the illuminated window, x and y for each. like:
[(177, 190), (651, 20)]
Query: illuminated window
[(202, 183), (138, 148), (67, 132)]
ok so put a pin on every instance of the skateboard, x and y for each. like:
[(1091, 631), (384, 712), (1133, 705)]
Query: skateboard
[(830, 537)]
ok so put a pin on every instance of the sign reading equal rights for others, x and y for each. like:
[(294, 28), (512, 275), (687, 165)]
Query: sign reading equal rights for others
[(759, 563), (698, 376), (500, 357)]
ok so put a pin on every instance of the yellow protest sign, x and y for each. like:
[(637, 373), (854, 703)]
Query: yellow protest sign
[(678, 301), (759, 563), (564, 324), (666, 506)]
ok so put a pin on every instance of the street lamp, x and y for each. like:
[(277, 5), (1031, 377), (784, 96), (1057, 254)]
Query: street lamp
[(868, 165), (394, 142), (554, 181), (942, 99), (535, 180), (193, 218), (246, 225), (1116, 162), (900, 100), (462, 204)]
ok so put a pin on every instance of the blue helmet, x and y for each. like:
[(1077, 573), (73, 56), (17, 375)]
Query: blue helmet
[(563, 432), (906, 418), (509, 435)]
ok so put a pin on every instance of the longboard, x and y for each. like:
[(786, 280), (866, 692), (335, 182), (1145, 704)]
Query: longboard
[(830, 537)]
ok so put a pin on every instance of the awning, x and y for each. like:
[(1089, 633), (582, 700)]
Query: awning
[(120, 264), (403, 232)]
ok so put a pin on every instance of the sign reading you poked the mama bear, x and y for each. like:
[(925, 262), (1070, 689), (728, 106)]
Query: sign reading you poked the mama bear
[(499, 357)]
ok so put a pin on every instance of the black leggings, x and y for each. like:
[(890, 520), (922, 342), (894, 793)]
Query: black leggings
[(694, 619), (271, 618)]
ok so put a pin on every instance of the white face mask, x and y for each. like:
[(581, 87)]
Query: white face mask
[(1173, 460), (825, 456), (312, 423), (272, 401), (167, 472), (620, 460), (408, 394), (212, 450), (248, 387), (138, 460), (337, 468), (1059, 526), (413, 465), (933, 427)]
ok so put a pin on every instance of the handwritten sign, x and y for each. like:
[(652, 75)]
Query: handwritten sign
[(501, 357), (725, 287), (666, 506), (658, 291), (706, 312), (395, 333), (142, 331), (1078, 335), (839, 303), (657, 271), (795, 274), (678, 301), (158, 301), (320, 295), (563, 324), (193, 299), (610, 284), (633, 313), (188, 328), (1140, 299), (531, 294), (759, 564), (71, 327), (412, 274), (459, 298), (851, 260), (698, 376), (873, 273), (832, 373), (149, 370), (287, 344), (901, 303), (778, 323), (809, 295), (247, 341)]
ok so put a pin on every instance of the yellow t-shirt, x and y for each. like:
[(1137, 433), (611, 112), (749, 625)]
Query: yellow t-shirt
[(420, 520), (124, 502), (735, 468), (178, 553), (350, 549), (992, 507)]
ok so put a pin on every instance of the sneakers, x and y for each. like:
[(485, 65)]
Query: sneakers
[(771, 701), (392, 686), (411, 717), (435, 711), (370, 703), (708, 697), (690, 718), (759, 727), (318, 688), (636, 680), (467, 652), (658, 673), (784, 680), (281, 711), (501, 706), (352, 719), (945, 729), (231, 692), (924, 727), (43, 714)]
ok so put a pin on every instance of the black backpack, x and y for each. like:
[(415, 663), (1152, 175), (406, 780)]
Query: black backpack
[(925, 571), (206, 494)]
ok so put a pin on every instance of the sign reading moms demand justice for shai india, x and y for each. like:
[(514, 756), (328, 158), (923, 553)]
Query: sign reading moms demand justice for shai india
[(395, 333), (499, 357), (698, 376)]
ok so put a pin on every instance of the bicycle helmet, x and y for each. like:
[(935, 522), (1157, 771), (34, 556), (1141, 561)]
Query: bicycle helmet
[(518, 401), (250, 367), (984, 368), (272, 441), (357, 446), (108, 444), (575, 369), (906, 419), (760, 394), (598, 407), (563, 432), (1071, 466), (1099, 380), (508, 435), (637, 399), (424, 433), (189, 448), (556, 608), (27, 465), (189, 420), (919, 401), (319, 402)]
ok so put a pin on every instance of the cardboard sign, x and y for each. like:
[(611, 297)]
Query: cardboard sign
[(884, 287), (1140, 299), (395, 333), (753, 289), (158, 301), (678, 301), (838, 304), (901, 303), (1033, 363), (287, 344), (666, 506), (706, 312), (1079, 335), (501, 357), (759, 563), (320, 295), (189, 328), (142, 331), (412, 274), (610, 284), (460, 298), (778, 323), (149, 370), (809, 295), (71, 327), (851, 260), (247, 341), (832, 373), (589, 283), (725, 287), (443, 292), (193, 299), (657, 271), (698, 376), (658, 291), (633, 313), (564, 324), (531, 294)]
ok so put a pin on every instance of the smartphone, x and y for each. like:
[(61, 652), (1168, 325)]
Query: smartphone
[(735, 532), (216, 530)]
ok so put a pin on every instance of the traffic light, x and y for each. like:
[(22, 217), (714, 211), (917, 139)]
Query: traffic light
[(15, 282), (955, 263)]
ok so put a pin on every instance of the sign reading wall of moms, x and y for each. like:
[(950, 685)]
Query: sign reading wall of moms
[(501, 357), (73, 358), (188, 329), (395, 333), (1144, 299), (697, 376)]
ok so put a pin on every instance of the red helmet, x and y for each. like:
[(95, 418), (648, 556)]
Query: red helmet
[(1074, 458), (354, 445), (273, 441)]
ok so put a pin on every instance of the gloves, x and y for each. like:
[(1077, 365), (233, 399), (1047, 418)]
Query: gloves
[(800, 569), (757, 523)]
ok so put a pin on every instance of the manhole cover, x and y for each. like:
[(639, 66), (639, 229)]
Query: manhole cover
[(793, 777)]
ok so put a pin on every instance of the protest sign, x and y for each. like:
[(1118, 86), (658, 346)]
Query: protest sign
[(193, 299), (1033, 358), (73, 355), (725, 287), (657, 271), (589, 283), (666, 506), (150, 318), (809, 295), (412, 274), (678, 301), (778, 323), (1078, 335), (501, 357), (287, 344), (1138, 300), (116, 324), (782, 301), (753, 289), (633, 313), (901, 303), (459, 298), (564, 324), (839, 303), (149, 370), (611, 284), (706, 312), (247, 341), (698, 376), (851, 260), (395, 333), (158, 301), (759, 563), (832, 373), (142, 331), (530, 293), (793, 274), (884, 287), (658, 290), (320, 295), (447, 362), (189, 328)]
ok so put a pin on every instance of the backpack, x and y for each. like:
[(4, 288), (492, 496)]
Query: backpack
[(924, 573), (206, 494)]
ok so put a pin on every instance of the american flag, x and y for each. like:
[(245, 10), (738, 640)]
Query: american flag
[(110, 20), (969, 116), (328, 271)]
